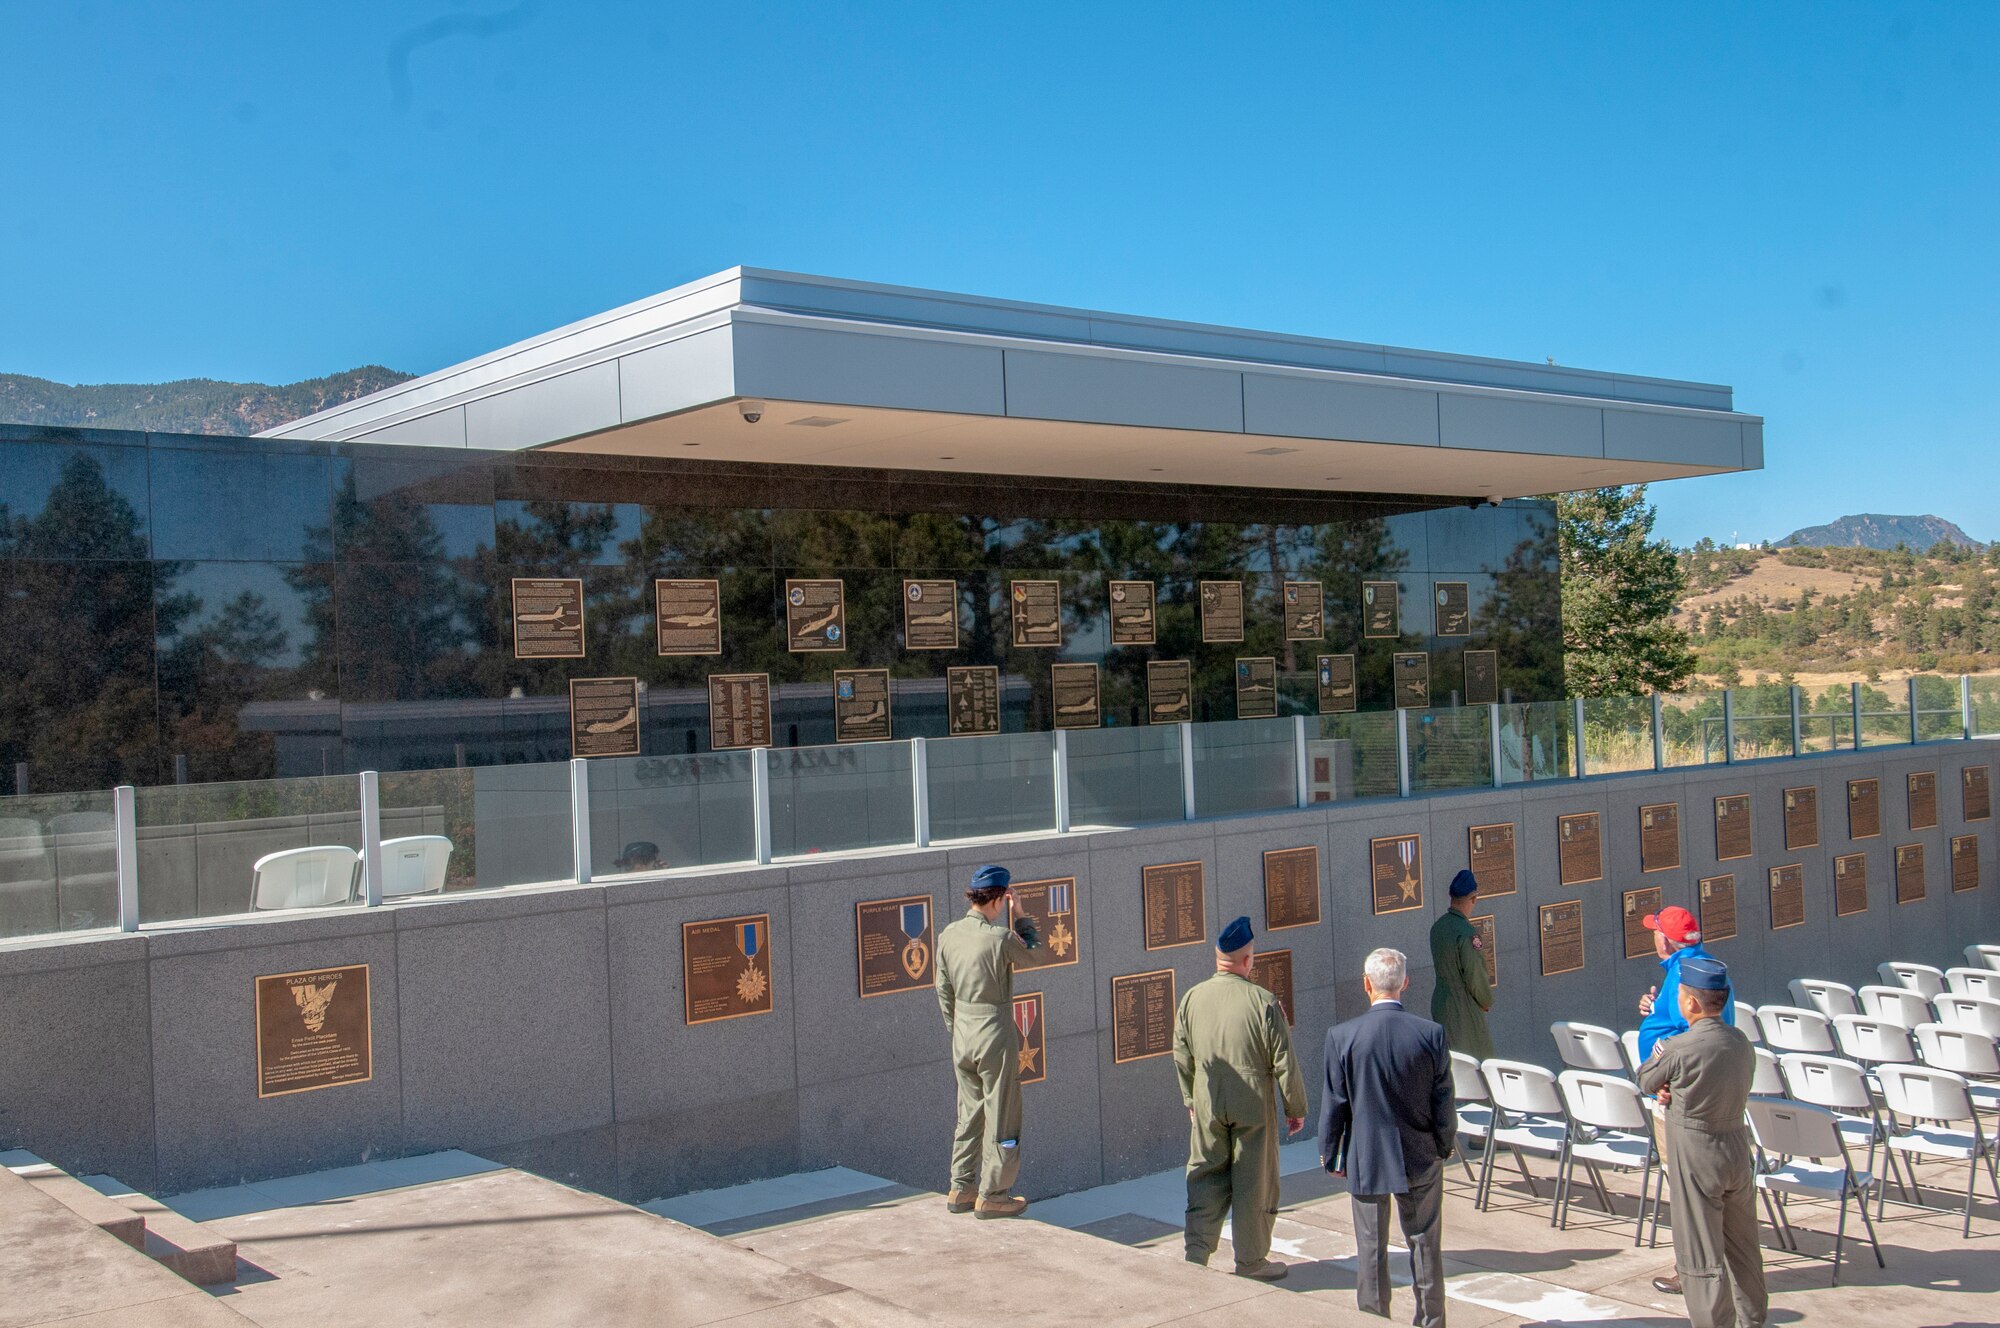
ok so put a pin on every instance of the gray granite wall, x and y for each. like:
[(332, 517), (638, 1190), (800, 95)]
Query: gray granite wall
[(544, 1026)]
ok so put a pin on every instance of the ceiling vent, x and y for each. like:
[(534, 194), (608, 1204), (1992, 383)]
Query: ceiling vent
[(818, 421)]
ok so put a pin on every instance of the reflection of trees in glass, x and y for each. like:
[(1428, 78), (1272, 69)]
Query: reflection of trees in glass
[(1349, 553), (1522, 619)]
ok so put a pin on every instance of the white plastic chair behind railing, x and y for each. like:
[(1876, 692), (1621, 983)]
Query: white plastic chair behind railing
[(1829, 998), (1898, 1005), (1924, 979), (414, 865), (304, 877)]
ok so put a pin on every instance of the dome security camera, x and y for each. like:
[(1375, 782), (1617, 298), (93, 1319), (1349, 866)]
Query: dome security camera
[(752, 411)]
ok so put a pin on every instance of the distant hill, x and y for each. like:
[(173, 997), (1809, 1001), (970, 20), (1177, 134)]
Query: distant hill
[(1869, 530), (192, 405)]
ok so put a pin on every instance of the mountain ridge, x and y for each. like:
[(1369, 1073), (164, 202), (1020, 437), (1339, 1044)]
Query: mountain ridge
[(187, 405), (1875, 530)]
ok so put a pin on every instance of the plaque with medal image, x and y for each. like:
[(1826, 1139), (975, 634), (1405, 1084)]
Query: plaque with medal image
[(1396, 867), (726, 968), (1052, 904), (1033, 1059), (893, 946)]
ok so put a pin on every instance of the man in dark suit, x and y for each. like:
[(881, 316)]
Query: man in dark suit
[(1387, 1123)]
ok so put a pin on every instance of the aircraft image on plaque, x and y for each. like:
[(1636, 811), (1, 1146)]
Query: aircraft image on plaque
[(1396, 868), (1132, 613), (1490, 854), (726, 968), (861, 705), (548, 618), (893, 946), (1337, 693), (313, 1030), (1257, 688), (972, 700), (815, 615), (1035, 614), (1034, 1055), (739, 710), (1169, 691), (1454, 609), (930, 615), (687, 617), (1381, 609), (1482, 677), (604, 716), (1305, 611), (1074, 690), (1413, 680), (1221, 612), (1052, 904)]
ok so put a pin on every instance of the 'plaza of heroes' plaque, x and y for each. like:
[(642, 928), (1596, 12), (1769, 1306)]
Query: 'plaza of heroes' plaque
[(1482, 677), (1034, 614), (1964, 863), (1864, 808), (861, 705), (1909, 873), (1337, 692), (1788, 896), (1257, 688), (313, 1030), (815, 615), (1272, 970), (1801, 818), (1488, 944), (1221, 612), (1454, 609), (1660, 837), (1073, 689), (1850, 884), (1732, 827), (1637, 905), (1717, 913), (1305, 611), (1974, 793), (1381, 615), (1923, 799), (548, 617)]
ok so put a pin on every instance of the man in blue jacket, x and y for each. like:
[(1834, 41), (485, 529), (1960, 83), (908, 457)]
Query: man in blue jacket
[(1387, 1122)]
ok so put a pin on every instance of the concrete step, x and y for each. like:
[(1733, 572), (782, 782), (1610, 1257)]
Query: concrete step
[(198, 1253), (104, 1214)]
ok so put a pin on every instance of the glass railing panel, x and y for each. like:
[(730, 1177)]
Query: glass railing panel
[(1763, 715), (1939, 716), (845, 796), (1125, 776), (1691, 728), (200, 846), (58, 863), (1245, 765), (654, 812), (1617, 734), (1002, 784), (441, 802), (1826, 719), (1450, 749), (1535, 742), (1351, 755), (1985, 690), (1885, 714), (507, 824)]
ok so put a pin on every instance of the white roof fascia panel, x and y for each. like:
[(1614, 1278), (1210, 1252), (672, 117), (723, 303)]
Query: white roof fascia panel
[(865, 366)]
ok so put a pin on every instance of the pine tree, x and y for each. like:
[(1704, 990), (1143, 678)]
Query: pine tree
[(1620, 588)]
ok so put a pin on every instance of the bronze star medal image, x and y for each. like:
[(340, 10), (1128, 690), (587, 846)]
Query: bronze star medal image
[(815, 616), (313, 1030), (893, 947), (726, 968), (1132, 613), (1396, 865), (548, 618), (1033, 1061), (604, 716), (1052, 904)]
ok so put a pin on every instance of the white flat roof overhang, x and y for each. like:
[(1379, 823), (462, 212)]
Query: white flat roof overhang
[(849, 374)]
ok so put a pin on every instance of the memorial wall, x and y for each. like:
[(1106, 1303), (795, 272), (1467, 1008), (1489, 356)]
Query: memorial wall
[(201, 609), (657, 1036)]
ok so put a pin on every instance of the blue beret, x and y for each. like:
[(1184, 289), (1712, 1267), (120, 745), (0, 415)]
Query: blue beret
[(1704, 974), (991, 877), (1235, 936), (1463, 884)]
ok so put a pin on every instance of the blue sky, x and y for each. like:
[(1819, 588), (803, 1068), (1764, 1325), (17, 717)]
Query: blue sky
[(1800, 200)]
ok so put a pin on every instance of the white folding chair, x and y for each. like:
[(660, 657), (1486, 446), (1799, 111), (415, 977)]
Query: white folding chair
[(1746, 1021), (1628, 1042), (1790, 1028), (1873, 1042), (1924, 979), (1475, 1107), (1588, 1047), (1840, 1086), (1829, 998), (1976, 1014), (1608, 1128), (1898, 1005), (414, 865), (1971, 1056), (1813, 1161), (1766, 1080), (1936, 1101), (304, 877), (1983, 956), (1972, 982), (1528, 1118)]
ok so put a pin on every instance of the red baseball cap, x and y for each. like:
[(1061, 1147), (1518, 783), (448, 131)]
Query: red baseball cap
[(1674, 923)]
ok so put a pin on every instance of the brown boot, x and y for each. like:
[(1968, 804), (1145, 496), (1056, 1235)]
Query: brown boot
[(1670, 1285), (1264, 1270), (1000, 1205), (960, 1201)]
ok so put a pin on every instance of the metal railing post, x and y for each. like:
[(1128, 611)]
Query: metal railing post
[(1798, 734), (1965, 705), (1854, 708), (125, 823), (1916, 722), (1301, 765), (1402, 753), (1062, 781), (760, 803), (1187, 771), (1659, 734), (1576, 727), (1728, 725), (579, 818), (1493, 740), (371, 838), (920, 792)]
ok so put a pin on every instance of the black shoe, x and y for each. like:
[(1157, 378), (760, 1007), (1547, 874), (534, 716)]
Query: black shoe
[(1668, 1286)]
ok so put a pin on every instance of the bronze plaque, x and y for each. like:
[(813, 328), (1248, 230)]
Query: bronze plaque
[(1864, 808), (1562, 937), (1169, 691), (1487, 941), (1732, 827), (1257, 689), (1074, 690), (1850, 884), (1272, 970), (1923, 799), (1035, 614), (861, 705), (739, 710), (1381, 612), (972, 698), (1909, 873), (1337, 692), (1175, 904), (1490, 854), (1801, 818), (1788, 896), (815, 615), (1964, 863), (1973, 791), (726, 968), (930, 615), (1291, 887), (1142, 1016), (1482, 677), (1638, 904), (894, 949), (1660, 837), (1717, 915), (1134, 610), (1305, 611), (687, 617), (1413, 680), (1396, 872), (1454, 609), (1580, 848), (548, 617), (604, 716), (313, 1030), (1033, 1062), (1052, 904), (1221, 612)]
